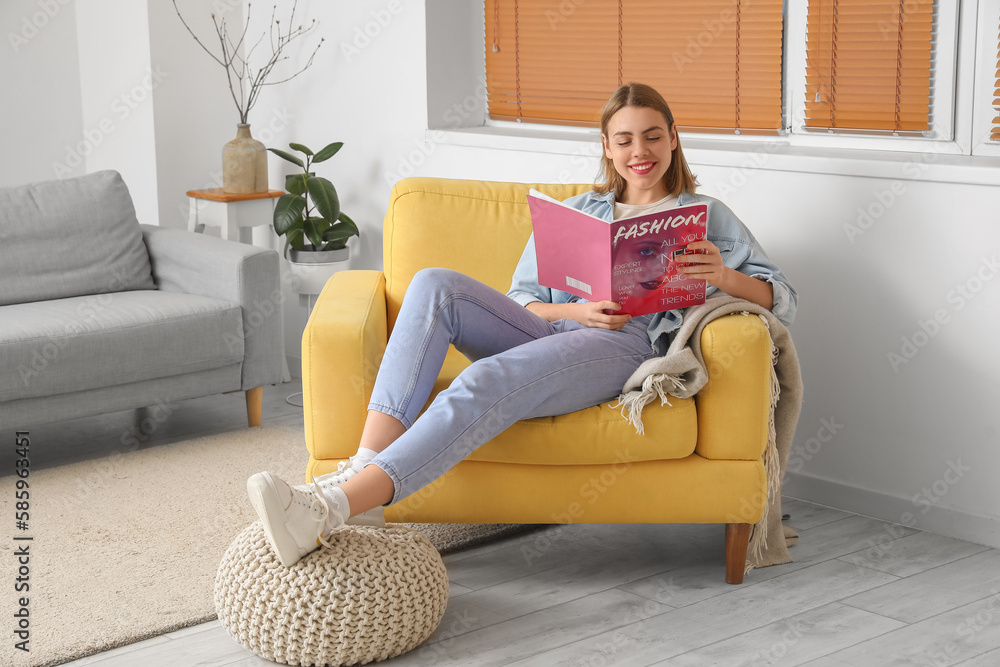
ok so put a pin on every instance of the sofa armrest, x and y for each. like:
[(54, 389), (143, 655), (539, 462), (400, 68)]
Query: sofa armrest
[(342, 347), (235, 272), (734, 406)]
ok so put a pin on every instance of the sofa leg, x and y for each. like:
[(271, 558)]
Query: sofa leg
[(737, 539), (255, 401)]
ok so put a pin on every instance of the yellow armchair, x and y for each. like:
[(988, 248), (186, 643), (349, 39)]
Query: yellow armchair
[(698, 462)]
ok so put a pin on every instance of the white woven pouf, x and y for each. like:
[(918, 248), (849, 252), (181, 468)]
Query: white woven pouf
[(376, 593)]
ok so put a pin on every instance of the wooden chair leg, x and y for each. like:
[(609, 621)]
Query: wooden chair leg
[(737, 540), (255, 401)]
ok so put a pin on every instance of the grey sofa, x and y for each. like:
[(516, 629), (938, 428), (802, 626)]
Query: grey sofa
[(99, 313)]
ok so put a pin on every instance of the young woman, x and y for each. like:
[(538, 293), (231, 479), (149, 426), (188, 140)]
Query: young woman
[(535, 351)]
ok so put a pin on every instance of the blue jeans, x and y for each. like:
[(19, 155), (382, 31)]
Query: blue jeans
[(523, 366)]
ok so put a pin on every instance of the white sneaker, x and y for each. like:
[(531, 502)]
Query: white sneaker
[(373, 517), (294, 519)]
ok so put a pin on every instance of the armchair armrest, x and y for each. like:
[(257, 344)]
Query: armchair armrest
[(342, 347), (243, 274), (734, 407)]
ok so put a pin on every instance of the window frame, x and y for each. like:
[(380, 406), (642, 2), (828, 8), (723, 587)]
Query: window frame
[(983, 111)]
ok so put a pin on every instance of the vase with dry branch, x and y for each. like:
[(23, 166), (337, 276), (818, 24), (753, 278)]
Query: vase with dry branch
[(244, 159)]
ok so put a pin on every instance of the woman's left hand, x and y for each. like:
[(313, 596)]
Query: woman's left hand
[(706, 266)]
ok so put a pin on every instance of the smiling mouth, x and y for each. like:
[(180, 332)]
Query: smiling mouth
[(642, 168)]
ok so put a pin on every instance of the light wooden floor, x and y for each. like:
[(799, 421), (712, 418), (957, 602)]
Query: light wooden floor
[(860, 592)]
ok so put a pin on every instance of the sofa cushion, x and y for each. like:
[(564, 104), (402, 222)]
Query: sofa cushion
[(66, 345), (592, 436), (69, 238)]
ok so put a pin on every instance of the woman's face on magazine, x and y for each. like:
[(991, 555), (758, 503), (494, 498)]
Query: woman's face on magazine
[(643, 262)]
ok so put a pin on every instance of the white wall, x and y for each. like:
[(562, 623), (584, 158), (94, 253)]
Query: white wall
[(41, 121), (915, 444)]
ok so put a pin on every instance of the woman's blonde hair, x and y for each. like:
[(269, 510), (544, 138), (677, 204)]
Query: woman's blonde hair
[(678, 178)]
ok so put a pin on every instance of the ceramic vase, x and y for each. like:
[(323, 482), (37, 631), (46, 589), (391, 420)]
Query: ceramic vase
[(244, 163)]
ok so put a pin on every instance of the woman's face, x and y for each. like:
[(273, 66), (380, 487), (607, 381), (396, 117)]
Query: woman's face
[(639, 143)]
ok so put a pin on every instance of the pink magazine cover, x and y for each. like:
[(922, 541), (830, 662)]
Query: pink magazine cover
[(632, 261)]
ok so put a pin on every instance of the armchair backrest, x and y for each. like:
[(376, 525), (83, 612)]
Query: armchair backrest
[(476, 227)]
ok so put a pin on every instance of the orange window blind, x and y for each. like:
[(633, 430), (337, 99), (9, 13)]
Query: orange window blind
[(868, 65), (717, 62), (995, 135)]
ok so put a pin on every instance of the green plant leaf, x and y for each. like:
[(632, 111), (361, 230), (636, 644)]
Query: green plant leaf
[(328, 152), (314, 229), (338, 234), (287, 212), (344, 220), (296, 183), (287, 156), (296, 239), (324, 196), (300, 148)]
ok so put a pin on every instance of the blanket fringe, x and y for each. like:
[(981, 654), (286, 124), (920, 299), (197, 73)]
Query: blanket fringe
[(771, 468), (632, 403)]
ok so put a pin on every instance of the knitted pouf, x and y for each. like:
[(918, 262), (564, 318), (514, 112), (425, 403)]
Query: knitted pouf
[(376, 593)]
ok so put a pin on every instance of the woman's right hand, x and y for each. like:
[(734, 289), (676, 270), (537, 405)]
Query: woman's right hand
[(600, 315), (596, 314)]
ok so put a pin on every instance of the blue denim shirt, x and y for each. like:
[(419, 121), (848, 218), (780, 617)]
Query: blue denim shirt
[(740, 251)]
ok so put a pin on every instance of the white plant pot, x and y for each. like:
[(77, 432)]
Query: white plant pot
[(311, 270)]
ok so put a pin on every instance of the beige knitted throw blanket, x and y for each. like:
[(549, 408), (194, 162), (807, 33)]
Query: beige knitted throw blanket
[(681, 372)]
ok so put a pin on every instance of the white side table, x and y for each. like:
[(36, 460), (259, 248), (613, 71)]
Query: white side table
[(233, 214)]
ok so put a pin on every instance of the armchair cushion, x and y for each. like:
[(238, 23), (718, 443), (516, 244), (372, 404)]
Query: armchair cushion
[(70, 238)]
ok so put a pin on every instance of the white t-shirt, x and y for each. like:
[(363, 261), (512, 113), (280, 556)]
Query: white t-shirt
[(633, 210)]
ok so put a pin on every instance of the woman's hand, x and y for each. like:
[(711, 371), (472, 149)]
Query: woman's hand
[(597, 314), (706, 265), (709, 267)]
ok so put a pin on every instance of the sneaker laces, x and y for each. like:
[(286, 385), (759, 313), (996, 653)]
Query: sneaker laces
[(343, 473), (315, 499)]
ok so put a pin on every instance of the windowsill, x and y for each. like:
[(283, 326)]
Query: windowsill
[(752, 153)]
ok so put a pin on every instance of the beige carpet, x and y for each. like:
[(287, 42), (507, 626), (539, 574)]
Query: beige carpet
[(126, 547)]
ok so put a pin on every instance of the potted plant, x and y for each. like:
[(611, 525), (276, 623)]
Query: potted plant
[(309, 217)]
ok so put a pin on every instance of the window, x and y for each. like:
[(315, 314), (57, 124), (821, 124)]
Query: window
[(717, 62), (868, 65), (995, 134)]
